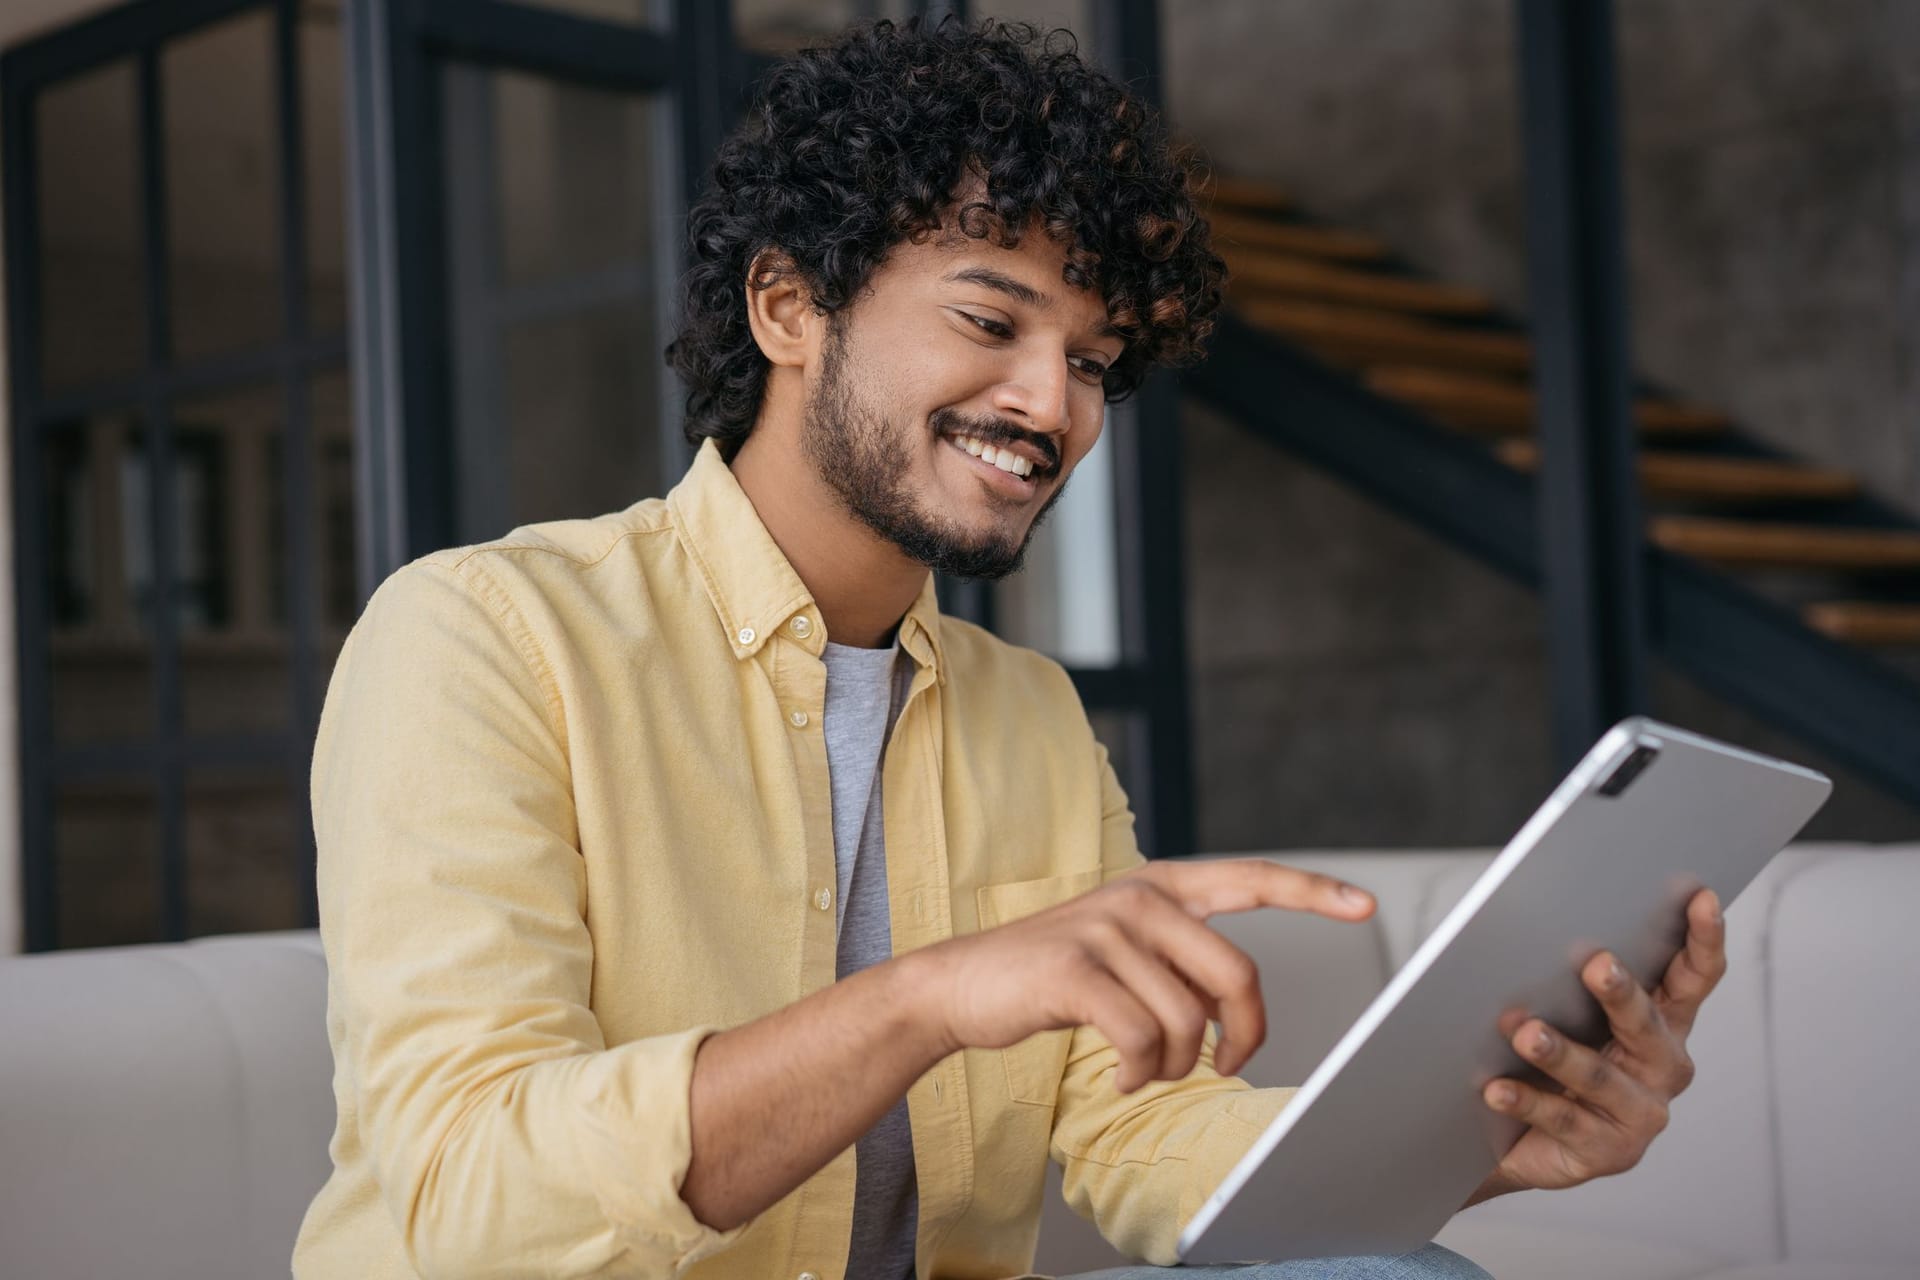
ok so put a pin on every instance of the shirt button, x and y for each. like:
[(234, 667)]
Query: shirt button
[(808, 1275), (799, 719), (802, 626), (823, 899), (746, 635)]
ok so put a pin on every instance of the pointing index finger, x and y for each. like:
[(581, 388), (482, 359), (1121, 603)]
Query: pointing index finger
[(1245, 884)]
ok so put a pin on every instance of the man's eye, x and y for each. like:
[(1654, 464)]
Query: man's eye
[(993, 327), (1092, 368)]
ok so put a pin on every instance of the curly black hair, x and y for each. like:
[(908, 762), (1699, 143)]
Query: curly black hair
[(852, 148)]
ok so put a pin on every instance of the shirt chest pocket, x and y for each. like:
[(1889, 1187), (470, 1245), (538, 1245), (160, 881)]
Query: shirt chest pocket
[(1035, 1065)]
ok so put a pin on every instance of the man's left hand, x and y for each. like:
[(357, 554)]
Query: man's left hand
[(1612, 1101)]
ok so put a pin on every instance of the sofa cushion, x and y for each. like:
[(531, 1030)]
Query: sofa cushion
[(1512, 1250), (1807, 1269), (168, 1107), (1845, 1035)]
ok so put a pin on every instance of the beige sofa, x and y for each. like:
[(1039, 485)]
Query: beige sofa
[(164, 1111)]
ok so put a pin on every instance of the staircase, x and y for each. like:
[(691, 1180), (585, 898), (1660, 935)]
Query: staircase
[(1779, 584)]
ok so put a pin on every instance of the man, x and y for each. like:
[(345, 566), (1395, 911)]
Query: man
[(697, 899)]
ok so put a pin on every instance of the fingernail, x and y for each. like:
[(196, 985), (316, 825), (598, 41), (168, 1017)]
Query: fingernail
[(1504, 1096), (1353, 893), (1717, 916), (1616, 976), (1542, 1041)]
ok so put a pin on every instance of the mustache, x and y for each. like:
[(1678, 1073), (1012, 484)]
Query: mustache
[(995, 431)]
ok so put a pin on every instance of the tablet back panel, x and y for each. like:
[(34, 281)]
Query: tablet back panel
[(1389, 1135)]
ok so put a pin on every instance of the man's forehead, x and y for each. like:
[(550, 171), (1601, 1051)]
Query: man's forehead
[(1031, 273)]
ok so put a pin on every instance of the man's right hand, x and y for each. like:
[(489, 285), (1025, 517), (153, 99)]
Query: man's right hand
[(1133, 959)]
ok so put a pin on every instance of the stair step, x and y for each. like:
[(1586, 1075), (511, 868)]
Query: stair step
[(1230, 228), (1244, 194), (1364, 336), (1475, 402), (1787, 546), (1263, 273), (1711, 477), (1865, 622)]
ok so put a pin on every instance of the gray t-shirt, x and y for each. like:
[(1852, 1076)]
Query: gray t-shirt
[(865, 690)]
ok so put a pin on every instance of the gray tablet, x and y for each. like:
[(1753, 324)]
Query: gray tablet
[(1389, 1135)]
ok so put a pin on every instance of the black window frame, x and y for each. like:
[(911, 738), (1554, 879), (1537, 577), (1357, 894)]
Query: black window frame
[(395, 52), (139, 32)]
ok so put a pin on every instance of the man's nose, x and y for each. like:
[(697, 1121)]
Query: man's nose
[(1037, 393)]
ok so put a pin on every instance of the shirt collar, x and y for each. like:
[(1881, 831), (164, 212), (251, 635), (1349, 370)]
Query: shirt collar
[(754, 591)]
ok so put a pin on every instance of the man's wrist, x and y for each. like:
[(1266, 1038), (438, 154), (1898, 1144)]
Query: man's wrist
[(918, 988)]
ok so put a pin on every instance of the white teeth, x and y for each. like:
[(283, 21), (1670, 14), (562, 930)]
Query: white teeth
[(1005, 459)]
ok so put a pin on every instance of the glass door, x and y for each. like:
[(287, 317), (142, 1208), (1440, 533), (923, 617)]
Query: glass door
[(518, 187)]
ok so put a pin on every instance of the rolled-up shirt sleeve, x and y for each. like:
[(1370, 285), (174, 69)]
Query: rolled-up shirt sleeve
[(1139, 1165), (509, 1137)]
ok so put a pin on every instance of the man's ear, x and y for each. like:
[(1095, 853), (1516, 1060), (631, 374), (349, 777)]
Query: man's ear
[(780, 311)]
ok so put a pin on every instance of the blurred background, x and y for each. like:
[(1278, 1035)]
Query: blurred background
[(1570, 371)]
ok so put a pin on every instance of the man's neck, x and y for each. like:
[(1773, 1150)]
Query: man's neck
[(862, 583)]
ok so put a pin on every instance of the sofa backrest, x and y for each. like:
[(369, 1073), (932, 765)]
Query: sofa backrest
[(164, 1110), (1844, 1039)]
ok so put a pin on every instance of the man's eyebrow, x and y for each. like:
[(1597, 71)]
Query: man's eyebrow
[(1021, 292)]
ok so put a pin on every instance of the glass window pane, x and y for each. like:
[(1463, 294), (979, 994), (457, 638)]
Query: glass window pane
[(1116, 731), (234, 652), (577, 388), (106, 862), (93, 317), (222, 179), (781, 26), (100, 640), (653, 13), (331, 407), (1065, 602), (575, 174), (202, 591), (335, 601), (245, 869), (1074, 15), (562, 218), (323, 135)]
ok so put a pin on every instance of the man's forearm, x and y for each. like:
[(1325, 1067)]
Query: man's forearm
[(777, 1098)]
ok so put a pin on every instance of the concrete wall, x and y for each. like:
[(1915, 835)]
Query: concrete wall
[(1364, 684)]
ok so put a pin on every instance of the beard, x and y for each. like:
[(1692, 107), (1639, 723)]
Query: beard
[(867, 460)]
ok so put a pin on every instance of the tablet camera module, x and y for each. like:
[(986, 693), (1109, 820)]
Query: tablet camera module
[(1629, 769)]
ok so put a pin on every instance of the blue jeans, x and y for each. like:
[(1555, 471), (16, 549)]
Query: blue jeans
[(1430, 1263)]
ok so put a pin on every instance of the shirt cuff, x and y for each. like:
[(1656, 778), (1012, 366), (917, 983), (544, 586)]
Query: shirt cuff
[(639, 1143)]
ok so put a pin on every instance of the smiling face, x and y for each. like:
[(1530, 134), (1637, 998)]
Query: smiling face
[(953, 399)]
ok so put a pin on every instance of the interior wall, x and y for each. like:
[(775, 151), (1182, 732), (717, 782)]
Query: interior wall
[(1356, 682)]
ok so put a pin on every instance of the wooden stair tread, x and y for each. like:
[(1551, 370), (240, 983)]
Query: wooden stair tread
[(1475, 402), (1699, 475), (1264, 272), (1244, 194), (1787, 546), (1229, 229), (1866, 622), (1350, 335)]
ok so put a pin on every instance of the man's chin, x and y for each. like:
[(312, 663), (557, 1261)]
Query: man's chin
[(969, 562)]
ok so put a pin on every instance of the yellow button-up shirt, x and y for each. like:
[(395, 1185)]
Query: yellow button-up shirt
[(571, 797)]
